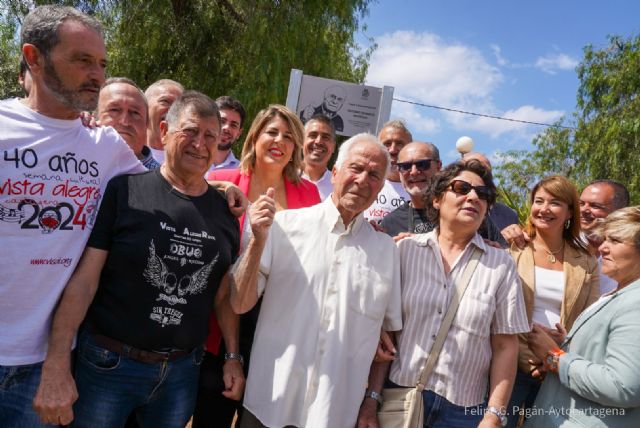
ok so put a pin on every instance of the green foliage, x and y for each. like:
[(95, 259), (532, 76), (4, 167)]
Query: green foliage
[(608, 135), (606, 140), (9, 58), (242, 48)]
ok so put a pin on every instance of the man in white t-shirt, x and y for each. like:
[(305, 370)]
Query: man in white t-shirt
[(394, 135), (160, 95), (318, 147), (54, 172)]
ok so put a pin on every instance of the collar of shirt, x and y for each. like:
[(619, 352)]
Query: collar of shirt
[(334, 219), (431, 240), (230, 162)]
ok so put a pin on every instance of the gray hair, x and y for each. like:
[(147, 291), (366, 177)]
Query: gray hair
[(399, 125), (161, 83), (622, 225), (195, 101), (347, 146), (41, 25)]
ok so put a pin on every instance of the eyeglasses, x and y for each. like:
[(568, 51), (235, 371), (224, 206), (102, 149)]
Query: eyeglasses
[(193, 132), (461, 187), (421, 165)]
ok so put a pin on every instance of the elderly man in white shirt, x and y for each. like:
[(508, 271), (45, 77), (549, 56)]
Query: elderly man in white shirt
[(330, 283)]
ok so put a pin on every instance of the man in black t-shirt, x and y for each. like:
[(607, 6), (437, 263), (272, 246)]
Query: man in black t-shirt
[(417, 163), (157, 260)]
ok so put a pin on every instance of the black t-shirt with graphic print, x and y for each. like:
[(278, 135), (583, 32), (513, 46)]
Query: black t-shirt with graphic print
[(168, 253)]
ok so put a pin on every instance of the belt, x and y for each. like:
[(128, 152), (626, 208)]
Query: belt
[(149, 357)]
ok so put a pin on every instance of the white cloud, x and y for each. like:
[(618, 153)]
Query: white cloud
[(551, 63), (496, 128), (423, 67), (502, 61)]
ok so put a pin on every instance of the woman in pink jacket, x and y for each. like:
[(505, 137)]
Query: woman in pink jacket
[(271, 158)]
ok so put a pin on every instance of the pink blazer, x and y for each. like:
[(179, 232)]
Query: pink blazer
[(300, 195)]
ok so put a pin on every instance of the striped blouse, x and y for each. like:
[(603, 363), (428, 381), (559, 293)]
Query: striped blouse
[(492, 304)]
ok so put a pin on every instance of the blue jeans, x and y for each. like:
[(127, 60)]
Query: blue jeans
[(525, 390), (18, 386), (440, 413), (111, 386)]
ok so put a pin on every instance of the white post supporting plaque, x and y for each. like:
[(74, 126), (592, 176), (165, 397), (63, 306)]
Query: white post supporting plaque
[(293, 93), (385, 107)]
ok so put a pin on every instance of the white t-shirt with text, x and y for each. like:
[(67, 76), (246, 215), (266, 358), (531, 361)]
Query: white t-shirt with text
[(52, 176)]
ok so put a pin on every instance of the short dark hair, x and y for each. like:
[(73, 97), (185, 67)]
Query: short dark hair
[(41, 25), (226, 102), (443, 178), (199, 103), (323, 118), (621, 197)]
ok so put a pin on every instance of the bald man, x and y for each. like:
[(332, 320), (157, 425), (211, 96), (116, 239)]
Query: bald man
[(123, 106), (501, 215), (160, 95)]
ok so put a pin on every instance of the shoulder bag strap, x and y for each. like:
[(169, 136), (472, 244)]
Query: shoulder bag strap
[(461, 287)]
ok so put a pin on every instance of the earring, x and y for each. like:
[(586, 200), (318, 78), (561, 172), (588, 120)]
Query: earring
[(567, 224)]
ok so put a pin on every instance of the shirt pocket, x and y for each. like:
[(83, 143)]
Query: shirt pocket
[(368, 293), (475, 313)]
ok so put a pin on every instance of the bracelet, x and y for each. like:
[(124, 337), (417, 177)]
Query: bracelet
[(234, 356), (501, 414), (376, 396), (552, 360)]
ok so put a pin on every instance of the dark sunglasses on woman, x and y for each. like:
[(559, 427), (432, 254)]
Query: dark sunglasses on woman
[(461, 187)]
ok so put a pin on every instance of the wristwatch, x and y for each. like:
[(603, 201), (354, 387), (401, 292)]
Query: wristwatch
[(552, 359), (501, 414), (376, 396), (234, 356)]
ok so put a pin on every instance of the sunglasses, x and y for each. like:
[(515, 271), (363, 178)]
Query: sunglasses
[(460, 187), (421, 165)]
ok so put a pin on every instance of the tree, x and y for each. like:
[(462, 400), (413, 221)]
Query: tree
[(607, 140), (520, 170), (9, 56), (243, 48), (603, 138)]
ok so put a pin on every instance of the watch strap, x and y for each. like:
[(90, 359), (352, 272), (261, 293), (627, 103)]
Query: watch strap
[(234, 356)]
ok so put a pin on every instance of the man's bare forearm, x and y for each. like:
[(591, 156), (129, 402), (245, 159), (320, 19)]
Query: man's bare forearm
[(73, 306), (228, 320), (244, 281)]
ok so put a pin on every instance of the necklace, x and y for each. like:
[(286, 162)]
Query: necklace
[(551, 255)]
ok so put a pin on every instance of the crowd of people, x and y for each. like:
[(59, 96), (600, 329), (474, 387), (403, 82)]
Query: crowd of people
[(149, 277)]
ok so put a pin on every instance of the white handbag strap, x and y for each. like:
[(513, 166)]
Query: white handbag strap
[(461, 287)]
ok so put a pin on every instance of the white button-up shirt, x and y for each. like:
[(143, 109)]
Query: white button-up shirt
[(230, 162), (324, 185), (328, 290), (492, 304)]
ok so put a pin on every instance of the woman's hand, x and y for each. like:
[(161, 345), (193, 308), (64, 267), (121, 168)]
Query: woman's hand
[(261, 214), (558, 334), (540, 342)]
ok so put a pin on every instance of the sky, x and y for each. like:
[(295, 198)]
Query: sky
[(505, 58)]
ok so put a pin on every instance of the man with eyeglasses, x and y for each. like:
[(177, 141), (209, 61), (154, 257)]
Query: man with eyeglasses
[(232, 115), (417, 163)]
